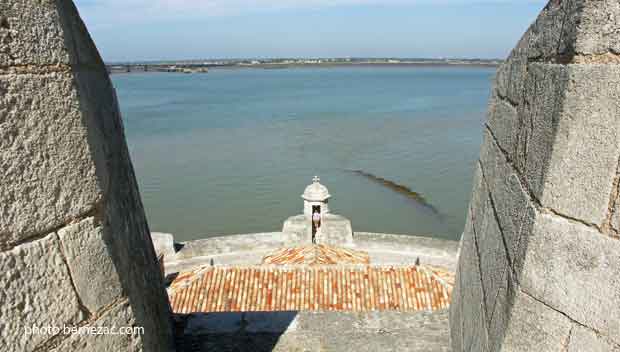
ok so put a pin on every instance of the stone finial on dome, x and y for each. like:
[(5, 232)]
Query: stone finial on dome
[(316, 192)]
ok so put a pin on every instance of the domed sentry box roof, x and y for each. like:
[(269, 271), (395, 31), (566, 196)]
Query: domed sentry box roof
[(316, 192)]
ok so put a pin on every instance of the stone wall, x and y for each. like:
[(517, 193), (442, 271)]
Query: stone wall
[(250, 249), (539, 268), (74, 242)]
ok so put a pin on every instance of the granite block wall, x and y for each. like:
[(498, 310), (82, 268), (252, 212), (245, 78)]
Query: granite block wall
[(75, 248), (539, 267)]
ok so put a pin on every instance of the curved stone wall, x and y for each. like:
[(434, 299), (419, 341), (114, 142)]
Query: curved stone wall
[(74, 242), (540, 256), (250, 249)]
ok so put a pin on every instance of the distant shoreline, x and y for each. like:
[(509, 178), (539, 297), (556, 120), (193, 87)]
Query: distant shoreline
[(369, 64), (194, 67)]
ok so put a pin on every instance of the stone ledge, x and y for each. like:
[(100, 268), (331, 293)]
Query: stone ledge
[(249, 249), (233, 243)]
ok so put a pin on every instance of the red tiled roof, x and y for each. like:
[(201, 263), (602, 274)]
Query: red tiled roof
[(335, 288), (446, 276), (317, 255)]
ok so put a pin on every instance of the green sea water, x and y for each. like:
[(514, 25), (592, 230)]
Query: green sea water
[(231, 151)]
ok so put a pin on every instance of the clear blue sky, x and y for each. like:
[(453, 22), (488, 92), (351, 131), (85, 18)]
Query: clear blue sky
[(195, 29)]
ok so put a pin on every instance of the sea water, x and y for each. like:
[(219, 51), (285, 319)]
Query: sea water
[(231, 151)]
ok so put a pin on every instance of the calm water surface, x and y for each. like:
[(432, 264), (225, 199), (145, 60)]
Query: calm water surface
[(232, 150)]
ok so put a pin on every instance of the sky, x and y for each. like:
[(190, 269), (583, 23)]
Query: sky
[(135, 30)]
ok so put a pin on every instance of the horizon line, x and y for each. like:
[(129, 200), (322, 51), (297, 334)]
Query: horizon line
[(301, 58)]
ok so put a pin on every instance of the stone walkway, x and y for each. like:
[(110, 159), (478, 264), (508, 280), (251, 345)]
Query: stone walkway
[(257, 293), (314, 331)]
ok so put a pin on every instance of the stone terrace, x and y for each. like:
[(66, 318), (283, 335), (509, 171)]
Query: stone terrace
[(274, 292)]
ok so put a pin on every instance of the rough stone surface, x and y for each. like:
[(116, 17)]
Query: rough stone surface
[(615, 219), (163, 244), (298, 225), (48, 174), (575, 270), (584, 157), (235, 243), (36, 292), (501, 195), (335, 229), (469, 286), (407, 249), (503, 119), (250, 249), (456, 315), (535, 327), (44, 33), (585, 340), (119, 317), (91, 266), (66, 173), (538, 268)]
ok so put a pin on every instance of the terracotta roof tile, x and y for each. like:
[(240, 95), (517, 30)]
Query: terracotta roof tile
[(335, 287), (317, 255)]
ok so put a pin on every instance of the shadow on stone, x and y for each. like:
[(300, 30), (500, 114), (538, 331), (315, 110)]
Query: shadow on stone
[(170, 278), (231, 331), (545, 193), (178, 246)]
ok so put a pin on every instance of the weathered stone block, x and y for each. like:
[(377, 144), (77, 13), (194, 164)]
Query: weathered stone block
[(94, 273), (550, 35), (597, 27), (535, 327), (48, 173), (513, 209), (501, 212), (472, 297), (64, 159), (36, 292), (583, 159), (44, 33), (565, 28), (567, 141), (299, 227), (615, 219), (499, 314), (537, 128), (509, 80), (544, 41), (477, 202), (119, 317), (163, 244), (574, 269), (583, 339), (549, 159), (336, 230), (503, 121), (488, 239), (456, 315)]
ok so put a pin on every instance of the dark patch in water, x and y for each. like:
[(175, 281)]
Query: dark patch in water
[(398, 188)]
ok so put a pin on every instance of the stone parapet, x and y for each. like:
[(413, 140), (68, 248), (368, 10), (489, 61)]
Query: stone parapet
[(250, 249)]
